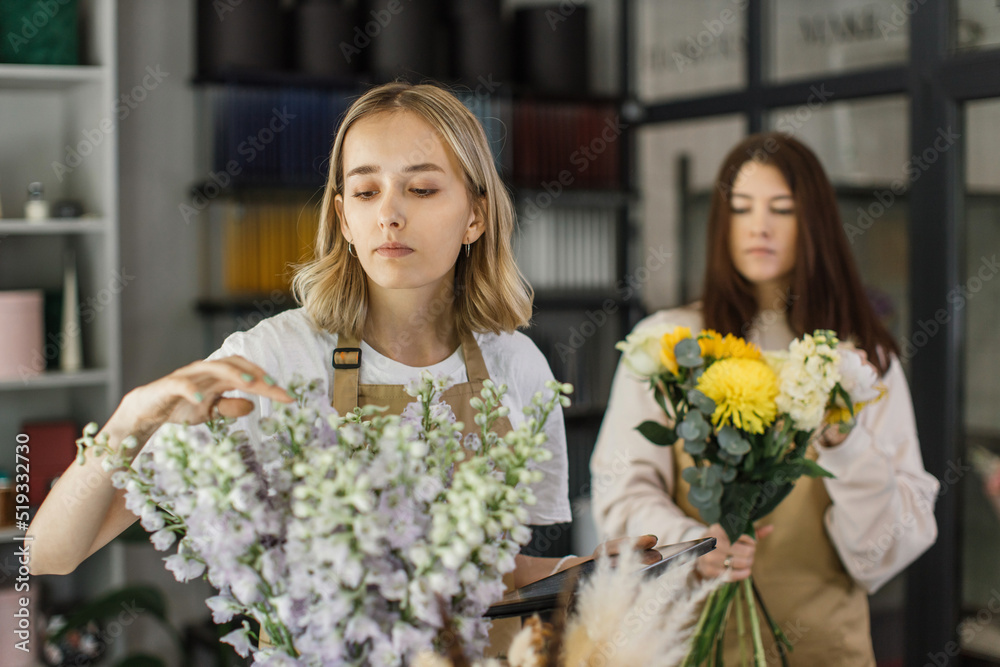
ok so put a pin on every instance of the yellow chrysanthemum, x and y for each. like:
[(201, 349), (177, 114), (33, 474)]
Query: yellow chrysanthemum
[(713, 344), (744, 391), (667, 344)]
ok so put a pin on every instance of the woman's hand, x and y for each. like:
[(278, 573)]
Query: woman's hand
[(734, 559), (831, 435), (65, 530), (644, 544), (192, 395)]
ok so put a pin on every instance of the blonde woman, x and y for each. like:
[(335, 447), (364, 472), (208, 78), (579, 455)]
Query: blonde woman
[(413, 270)]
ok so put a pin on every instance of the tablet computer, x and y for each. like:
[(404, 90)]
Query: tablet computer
[(543, 595)]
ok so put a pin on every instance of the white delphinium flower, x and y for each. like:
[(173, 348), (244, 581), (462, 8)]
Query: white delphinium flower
[(806, 378)]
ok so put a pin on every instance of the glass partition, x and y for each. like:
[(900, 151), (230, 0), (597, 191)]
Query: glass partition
[(977, 299), (688, 48), (976, 25), (819, 37)]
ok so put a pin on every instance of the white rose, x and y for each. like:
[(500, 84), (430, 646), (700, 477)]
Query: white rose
[(641, 350)]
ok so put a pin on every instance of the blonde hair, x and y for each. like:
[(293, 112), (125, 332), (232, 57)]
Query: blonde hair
[(490, 292)]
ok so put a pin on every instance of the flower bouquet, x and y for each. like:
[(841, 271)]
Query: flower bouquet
[(746, 419), (351, 539)]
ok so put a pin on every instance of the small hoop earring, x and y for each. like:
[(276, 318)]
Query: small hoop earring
[(350, 247), (467, 249)]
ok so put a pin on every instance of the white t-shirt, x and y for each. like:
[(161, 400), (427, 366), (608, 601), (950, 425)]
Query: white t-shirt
[(290, 343)]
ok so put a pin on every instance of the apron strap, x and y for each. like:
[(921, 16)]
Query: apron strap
[(475, 367), (346, 370)]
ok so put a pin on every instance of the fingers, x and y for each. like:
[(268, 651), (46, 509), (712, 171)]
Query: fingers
[(238, 374), (650, 556), (234, 407), (645, 542), (734, 561)]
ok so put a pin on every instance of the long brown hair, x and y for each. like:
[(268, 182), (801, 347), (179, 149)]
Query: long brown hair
[(826, 289), (491, 294)]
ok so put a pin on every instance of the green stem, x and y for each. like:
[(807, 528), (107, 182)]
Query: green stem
[(758, 644), (689, 659), (741, 631)]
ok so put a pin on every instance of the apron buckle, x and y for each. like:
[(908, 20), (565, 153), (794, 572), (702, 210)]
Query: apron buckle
[(347, 357)]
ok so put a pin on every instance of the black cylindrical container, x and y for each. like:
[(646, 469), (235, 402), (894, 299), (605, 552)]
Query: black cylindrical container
[(407, 38), (249, 35), (480, 42), (552, 48), (324, 38)]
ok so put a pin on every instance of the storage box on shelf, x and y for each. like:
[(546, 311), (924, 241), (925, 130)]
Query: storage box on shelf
[(59, 128)]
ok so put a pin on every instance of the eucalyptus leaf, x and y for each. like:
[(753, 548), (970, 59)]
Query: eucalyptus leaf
[(730, 459), (713, 475), (694, 447), (701, 496), (691, 475), (688, 353), (733, 441), (728, 475), (711, 514), (694, 426), (700, 401)]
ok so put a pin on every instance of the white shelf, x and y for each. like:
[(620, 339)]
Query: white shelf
[(53, 226), (51, 77), (58, 380)]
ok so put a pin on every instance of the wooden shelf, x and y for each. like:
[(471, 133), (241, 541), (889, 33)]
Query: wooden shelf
[(58, 380), (53, 226), (49, 77)]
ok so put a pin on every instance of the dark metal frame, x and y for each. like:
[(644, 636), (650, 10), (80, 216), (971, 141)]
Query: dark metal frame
[(937, 83)]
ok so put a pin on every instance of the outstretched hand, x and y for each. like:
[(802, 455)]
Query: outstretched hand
[(193, 394)]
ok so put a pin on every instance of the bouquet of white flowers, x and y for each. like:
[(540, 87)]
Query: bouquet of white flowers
[(351, 539)]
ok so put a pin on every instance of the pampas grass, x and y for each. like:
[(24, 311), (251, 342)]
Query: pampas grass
[(622, 619), (619, 619)]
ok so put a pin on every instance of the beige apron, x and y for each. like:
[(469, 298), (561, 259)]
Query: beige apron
[(348, 394), (820, 608)]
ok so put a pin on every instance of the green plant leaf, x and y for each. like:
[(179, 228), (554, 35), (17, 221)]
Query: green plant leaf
[(691, 475), (688, 353), (700, 401), (731, 440), (810, 468), (694, 426), (694, 447), (657, 433)]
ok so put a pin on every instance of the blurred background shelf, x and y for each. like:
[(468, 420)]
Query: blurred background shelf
[(49, 77), (59, 380), (55, 226)]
